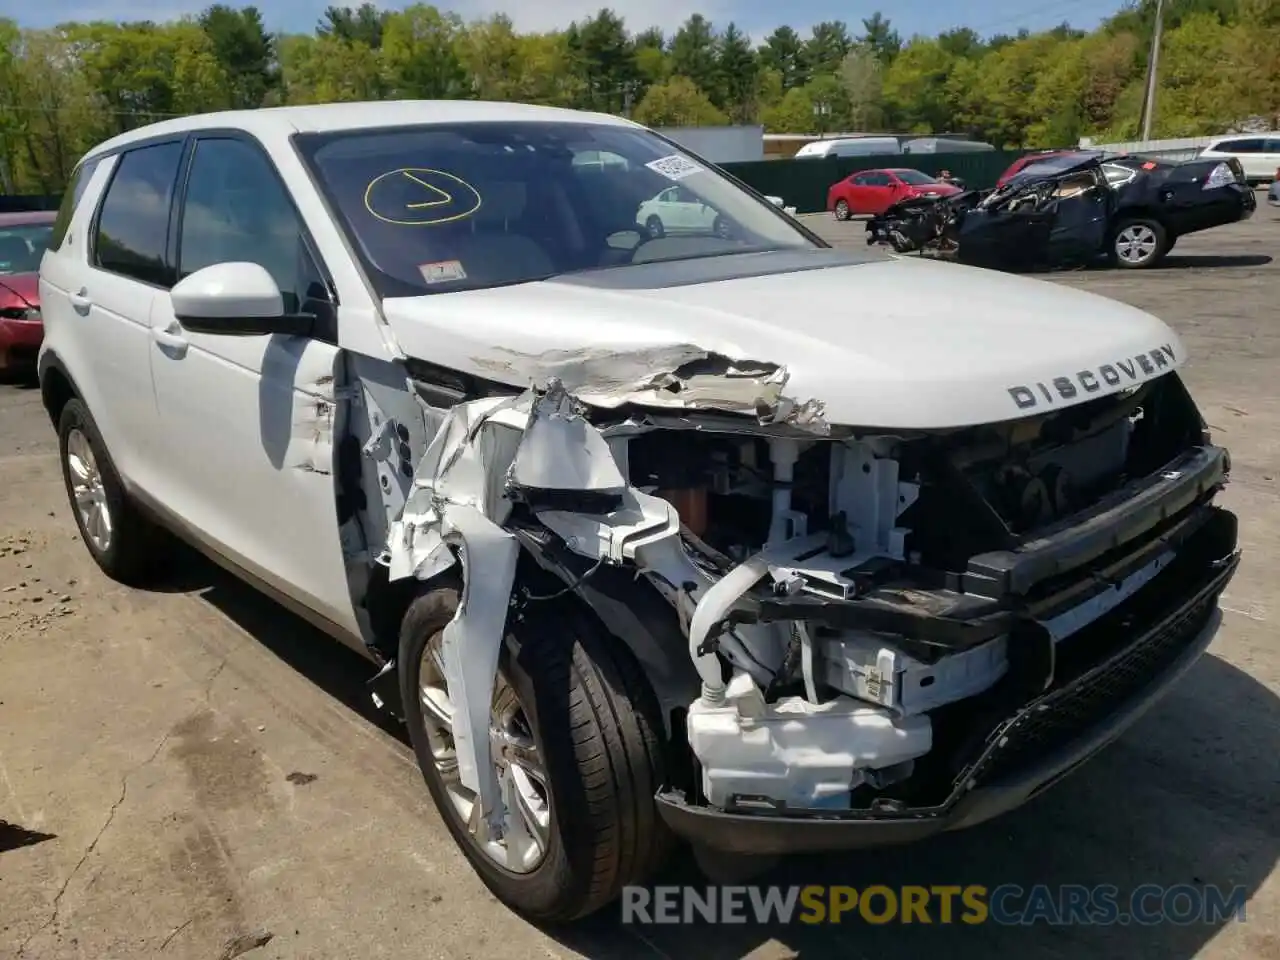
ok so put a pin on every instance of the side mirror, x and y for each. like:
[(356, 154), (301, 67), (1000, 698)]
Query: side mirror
[(235, 299)]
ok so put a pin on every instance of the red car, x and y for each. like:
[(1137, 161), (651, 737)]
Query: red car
[(23, 239), (875, 191), (1029, 159)]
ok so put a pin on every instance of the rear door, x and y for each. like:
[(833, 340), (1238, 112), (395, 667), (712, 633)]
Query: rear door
[(101, 284), (877, 193), (248, 421)]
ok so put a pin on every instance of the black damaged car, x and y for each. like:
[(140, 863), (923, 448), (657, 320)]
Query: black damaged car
[(1071, 210)]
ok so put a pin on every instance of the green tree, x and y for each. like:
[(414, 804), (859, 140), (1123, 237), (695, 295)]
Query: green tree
[(363, 24), (327, 69), (862, 75), (693, 55), (420, 54), (915, 87), (881, 38), (783, 52), (678, 103), (826, 48), (738, 73), (245, 51), (603, 56)]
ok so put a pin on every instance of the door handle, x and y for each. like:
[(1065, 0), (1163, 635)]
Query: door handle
[(80, 301), (171, 339)]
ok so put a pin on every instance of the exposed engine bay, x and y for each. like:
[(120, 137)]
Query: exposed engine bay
[(845, 601)]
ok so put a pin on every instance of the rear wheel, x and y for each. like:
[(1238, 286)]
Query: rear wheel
[(655, 228), (1138, 243), (576, 741), (124, 543), (842, 210)]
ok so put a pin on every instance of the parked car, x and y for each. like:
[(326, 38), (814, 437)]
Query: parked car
[(850, 147), (1026, 159), (1273, 194), (735, 539), (1071, 209), (677, 210), (874, 191), (23, 240), (1259, 155)]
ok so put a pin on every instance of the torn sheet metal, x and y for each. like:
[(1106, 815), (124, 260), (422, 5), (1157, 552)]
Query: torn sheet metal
[(471, 647), (679, 376)]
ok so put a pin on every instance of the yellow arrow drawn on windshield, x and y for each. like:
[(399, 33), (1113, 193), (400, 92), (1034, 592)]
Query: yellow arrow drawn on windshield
[(444, 197), (423, 213)]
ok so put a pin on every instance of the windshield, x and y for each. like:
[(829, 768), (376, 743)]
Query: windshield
[(21, 247), (452, 207), (914, 177)]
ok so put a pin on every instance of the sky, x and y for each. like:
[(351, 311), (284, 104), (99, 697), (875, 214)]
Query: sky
[(757, 17)]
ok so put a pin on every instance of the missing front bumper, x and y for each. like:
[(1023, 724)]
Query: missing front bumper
[(1035, 744)]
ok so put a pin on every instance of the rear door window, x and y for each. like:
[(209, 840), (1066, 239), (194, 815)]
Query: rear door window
[(1247, 145), (133, 223)]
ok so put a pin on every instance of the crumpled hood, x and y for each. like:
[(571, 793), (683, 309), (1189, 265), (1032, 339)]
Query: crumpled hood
[(905, 344)]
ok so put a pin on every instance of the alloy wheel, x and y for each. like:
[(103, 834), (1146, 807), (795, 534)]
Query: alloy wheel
[(522, 843)]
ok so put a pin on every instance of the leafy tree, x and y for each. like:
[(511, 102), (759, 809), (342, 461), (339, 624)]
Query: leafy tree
[(245, 52), (678, 103), (862, 75), (783, 52), (881, 38), (363, 24), (604, 56), (826, 48), (420, 54), (737, 74), (915, 87), (693, 55)]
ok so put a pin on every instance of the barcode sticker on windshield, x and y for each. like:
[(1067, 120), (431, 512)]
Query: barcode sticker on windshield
[(674, 167)]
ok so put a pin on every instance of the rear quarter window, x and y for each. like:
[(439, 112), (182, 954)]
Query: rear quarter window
[(133, 222), (80, 178), (1244, 145)]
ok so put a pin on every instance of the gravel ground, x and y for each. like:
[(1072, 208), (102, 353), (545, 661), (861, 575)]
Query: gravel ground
[(191, 772)]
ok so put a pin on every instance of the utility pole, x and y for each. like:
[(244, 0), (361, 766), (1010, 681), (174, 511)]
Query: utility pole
[(1153, 68)]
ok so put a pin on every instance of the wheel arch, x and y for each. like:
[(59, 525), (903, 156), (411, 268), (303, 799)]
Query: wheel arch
[(56, 385)]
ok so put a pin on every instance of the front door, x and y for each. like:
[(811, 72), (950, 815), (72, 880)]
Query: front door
[(248, 421)]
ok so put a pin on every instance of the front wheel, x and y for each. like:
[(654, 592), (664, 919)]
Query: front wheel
[(1139, 243), (576, 740), (655, 228)]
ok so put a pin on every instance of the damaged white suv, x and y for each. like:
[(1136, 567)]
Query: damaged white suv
[(727, 536)]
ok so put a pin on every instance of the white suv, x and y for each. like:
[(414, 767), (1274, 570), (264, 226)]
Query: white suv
[(729, 537), (1259, 155)]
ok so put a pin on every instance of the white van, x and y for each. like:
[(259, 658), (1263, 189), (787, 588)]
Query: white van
[(850, 147), (946, 145), (1259, 154)]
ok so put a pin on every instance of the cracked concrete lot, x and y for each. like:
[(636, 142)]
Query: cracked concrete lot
[(191, 772)]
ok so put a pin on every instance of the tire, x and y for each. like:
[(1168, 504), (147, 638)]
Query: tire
[(720, 227), (134, 546), (842, 210), (655, 227), (1138, 243), (595, 724)]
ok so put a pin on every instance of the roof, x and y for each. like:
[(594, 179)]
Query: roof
[(26, 217), (278, 122)]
